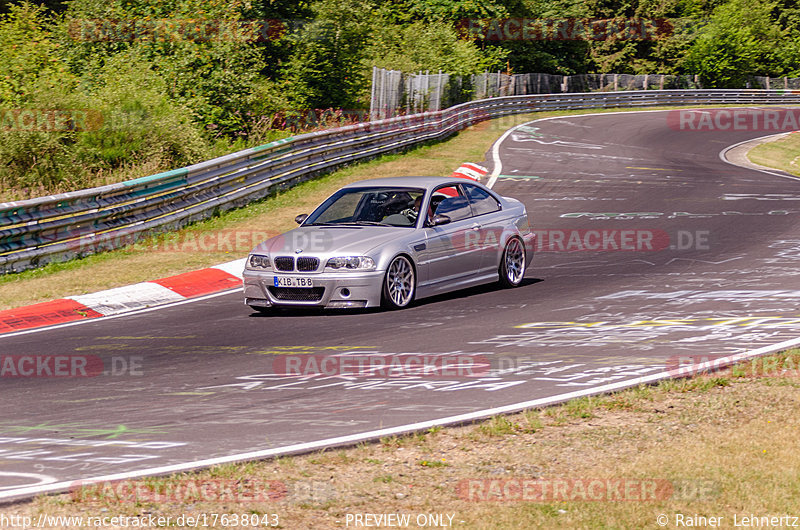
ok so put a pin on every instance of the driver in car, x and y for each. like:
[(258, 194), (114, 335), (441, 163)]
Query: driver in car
[(413, 213)]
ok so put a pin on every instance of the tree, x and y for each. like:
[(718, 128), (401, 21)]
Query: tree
[(202, 49), (326, 68), (742, 39), (29, 56), (434, 46)]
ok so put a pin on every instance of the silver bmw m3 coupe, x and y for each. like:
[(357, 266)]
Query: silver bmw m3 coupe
[(389, 241)]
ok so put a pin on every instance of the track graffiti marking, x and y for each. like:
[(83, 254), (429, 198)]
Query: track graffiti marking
[(532, 134), (663, 215), (689, 296), (315, 382), (35, 479), (45, 454), (645, 335), (76, 429)]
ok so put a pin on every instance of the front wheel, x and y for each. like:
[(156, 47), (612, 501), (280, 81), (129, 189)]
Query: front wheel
[(399, 284), (512, 264)]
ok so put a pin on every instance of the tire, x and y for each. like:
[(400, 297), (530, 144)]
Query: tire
[(399, 284), (512, 263)]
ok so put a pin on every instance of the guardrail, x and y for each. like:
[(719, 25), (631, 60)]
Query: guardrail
[(60, 227)]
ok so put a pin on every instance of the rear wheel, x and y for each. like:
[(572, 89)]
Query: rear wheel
[(399, 284), (512, 264)]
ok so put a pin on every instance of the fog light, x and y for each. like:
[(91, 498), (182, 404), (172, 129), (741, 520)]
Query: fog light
[(257, 302), (347, 304), (345, 292)]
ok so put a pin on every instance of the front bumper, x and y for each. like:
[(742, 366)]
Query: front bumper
[(340, 289)]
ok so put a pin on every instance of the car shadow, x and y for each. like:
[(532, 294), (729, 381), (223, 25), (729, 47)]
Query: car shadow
[(439, 298), (473, 291)]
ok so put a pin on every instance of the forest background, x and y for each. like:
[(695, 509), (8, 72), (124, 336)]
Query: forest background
[(99, 91)]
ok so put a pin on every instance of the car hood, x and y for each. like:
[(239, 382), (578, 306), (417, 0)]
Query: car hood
[(326, 240)]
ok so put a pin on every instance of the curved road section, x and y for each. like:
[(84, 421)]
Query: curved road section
[(652, 254)]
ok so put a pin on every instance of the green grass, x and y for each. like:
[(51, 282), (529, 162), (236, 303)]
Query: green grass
[(783, 154)]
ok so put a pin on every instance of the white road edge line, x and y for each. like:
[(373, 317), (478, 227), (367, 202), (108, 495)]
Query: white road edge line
[(497, 165), (724, 158), (402, 429)]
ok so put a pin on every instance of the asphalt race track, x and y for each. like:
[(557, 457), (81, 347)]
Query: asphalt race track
[(651, 250)]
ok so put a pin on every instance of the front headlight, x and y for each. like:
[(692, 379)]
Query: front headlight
[(257, 261), (351, 263)]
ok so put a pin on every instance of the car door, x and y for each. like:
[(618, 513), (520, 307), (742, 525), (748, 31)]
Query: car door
[(450, 256), (488, 225)]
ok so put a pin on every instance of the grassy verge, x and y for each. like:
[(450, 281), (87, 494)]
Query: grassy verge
[(236, 232), (725, 444), (783, 154)]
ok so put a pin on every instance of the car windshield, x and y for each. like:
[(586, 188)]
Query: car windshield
[(378, 206)]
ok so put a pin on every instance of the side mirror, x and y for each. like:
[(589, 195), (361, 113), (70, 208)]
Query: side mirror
[(300, 218), (440, 219)]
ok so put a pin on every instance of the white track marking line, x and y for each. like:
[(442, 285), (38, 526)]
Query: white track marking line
[(497, 165), (724, 152)]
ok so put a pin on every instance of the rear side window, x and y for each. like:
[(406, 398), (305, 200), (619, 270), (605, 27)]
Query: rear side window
[(456, 208), (480, 200)]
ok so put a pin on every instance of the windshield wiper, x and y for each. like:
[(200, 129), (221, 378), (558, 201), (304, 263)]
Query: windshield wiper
[(357, 223), (369, 223)]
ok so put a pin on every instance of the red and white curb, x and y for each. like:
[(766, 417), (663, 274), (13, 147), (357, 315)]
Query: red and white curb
[(216, 279), (471, 171)]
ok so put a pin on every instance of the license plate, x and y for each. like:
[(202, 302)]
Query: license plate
[(291, 281)]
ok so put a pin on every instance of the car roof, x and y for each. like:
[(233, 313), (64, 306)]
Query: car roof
[(416, 182)]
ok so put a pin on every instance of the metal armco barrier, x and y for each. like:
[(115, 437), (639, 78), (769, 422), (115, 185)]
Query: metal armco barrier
[(70, 225)]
